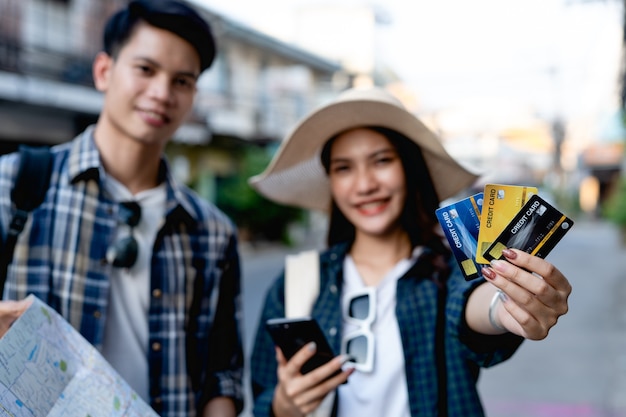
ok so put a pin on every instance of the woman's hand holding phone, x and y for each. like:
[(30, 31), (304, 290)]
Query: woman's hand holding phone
[(298, 394)]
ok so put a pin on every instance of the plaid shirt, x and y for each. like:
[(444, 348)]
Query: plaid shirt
[(416, 312), (195, 351)]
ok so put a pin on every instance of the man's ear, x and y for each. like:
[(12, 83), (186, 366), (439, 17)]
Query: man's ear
[(101, 69)]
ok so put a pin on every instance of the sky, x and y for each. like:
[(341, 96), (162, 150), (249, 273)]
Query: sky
[(553, 58)]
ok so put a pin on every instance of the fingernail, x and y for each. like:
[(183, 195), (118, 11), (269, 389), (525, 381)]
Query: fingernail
[(498, 265), (503, 296), (312, 346), (348, 366), (509, 254), (488, 273), (343, 359)]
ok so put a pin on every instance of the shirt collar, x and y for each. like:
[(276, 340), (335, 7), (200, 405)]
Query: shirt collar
[(84, 164)]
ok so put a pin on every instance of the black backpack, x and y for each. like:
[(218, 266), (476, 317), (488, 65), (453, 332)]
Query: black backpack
[(28, 192)]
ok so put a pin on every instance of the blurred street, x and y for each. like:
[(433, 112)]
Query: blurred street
[(521, 92), (578, 371)]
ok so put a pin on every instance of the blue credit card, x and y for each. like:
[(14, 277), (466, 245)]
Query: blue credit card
[(460, 222)]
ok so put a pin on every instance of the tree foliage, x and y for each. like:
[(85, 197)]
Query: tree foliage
[(254, 214), (616, 205)]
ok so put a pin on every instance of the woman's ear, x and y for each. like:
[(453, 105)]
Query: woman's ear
[(101, 70)]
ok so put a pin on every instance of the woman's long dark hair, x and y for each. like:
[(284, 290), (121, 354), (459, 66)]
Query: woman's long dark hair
[(418, 216)]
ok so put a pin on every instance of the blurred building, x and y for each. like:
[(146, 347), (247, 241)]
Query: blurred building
[(504, 142), (603, 159), (256, 90)]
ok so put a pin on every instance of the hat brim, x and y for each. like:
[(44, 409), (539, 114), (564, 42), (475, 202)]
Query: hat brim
[(296, 177)]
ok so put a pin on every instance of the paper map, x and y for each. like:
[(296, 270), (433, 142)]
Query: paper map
[(48, 369)]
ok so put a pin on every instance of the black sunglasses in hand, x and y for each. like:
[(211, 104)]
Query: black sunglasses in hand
[(123, 253)]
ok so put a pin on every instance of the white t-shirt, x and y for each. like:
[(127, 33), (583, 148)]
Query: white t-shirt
[(383, 392), (125, 344)]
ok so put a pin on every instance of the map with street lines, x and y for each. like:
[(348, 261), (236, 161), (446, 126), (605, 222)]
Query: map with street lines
[(48, 369)]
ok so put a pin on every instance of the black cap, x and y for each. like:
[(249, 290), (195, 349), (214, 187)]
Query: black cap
[(171, 15)]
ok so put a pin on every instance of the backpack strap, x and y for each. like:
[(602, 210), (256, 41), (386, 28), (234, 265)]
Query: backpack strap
[(302, 283), (302, 286), (28, 192)]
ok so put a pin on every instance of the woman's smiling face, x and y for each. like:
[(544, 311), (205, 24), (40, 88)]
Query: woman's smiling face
[(367, 181)]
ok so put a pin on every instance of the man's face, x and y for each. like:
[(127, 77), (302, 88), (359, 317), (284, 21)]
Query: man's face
[(149, 88)]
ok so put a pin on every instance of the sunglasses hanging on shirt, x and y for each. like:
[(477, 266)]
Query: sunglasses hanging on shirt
[(123, 253), (359, 308)]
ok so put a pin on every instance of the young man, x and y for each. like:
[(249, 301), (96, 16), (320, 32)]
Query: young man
[(144, 268)]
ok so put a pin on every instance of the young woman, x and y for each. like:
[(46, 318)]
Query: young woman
[(412, 332)]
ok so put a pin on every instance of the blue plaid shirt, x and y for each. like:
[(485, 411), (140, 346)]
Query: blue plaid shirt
[(195, 350), (416, 311)]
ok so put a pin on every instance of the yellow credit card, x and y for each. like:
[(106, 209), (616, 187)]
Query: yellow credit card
[(501, 204)]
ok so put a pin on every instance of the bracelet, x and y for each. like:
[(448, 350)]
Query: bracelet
[(492, 312)]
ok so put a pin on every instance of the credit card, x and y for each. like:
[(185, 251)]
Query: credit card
[(460, 222), (502, 203), (536, 229)]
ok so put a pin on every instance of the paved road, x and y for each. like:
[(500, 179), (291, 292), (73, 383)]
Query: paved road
[(578, 371)]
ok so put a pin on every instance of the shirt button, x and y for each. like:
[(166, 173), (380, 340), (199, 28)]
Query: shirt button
[(333, 256), (332, 331), (97, 314), (333, 289), (157, 293), (156, 346), (158, 400)]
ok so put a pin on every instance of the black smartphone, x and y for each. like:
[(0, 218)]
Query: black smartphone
[(290, 334)]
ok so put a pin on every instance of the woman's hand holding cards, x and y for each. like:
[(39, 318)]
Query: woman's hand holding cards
[(535, 293)]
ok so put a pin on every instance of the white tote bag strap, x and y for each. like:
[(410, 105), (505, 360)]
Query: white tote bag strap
[(302, 285)]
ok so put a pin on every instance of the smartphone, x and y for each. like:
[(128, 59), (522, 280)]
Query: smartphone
[(291, 334)]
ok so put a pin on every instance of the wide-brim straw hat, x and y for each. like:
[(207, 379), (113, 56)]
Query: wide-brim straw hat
[(296, 177)]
